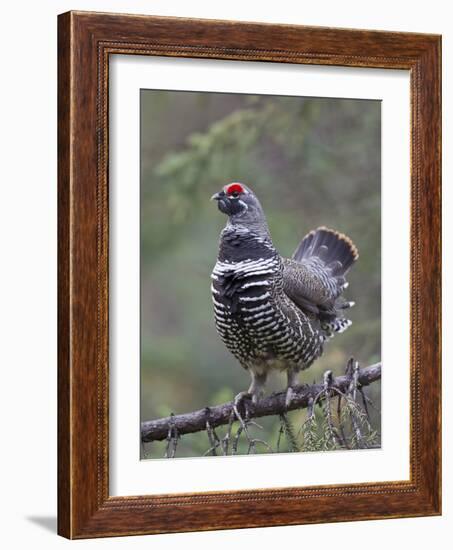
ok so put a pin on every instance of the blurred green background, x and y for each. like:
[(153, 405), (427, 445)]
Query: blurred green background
[(312, 162)]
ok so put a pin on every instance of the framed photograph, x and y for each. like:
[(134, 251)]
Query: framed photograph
[(249, 275)]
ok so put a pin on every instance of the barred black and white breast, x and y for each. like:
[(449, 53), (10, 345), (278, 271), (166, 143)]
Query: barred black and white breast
[(272, 312)]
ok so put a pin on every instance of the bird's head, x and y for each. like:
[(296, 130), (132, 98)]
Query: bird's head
[(241, 205)]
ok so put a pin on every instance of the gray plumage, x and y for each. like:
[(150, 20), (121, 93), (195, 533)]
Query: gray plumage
[(273, 312)]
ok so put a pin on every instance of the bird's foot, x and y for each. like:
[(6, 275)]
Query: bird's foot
[(289, 396), (239, 402), (292, 383), (291, 392), (241, 396)]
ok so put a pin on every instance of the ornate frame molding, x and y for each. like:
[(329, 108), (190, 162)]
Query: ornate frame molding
[(85, 41)]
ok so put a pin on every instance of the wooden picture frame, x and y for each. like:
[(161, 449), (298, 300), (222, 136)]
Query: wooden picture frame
[(85, 42)]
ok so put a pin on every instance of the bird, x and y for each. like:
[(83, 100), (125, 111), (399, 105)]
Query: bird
[(271, 312)]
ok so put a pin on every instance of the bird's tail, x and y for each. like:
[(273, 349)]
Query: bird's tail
[(331, 255), (334, 249)]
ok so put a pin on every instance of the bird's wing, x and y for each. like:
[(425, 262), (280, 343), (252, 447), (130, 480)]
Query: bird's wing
[(308, 287)]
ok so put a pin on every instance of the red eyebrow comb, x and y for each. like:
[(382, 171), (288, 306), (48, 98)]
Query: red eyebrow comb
[(234, 188)]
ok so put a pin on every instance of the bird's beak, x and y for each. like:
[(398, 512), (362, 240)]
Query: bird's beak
[(216, 196)]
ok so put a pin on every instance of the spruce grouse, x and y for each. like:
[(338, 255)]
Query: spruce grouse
[(273, 312)]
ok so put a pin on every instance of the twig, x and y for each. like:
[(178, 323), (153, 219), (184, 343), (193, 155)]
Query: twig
[(172, 438), (352, 391), (344, 439), (332, 432), (365, 404), (288, 430), (227, 437), (236, 441), (212, 436)]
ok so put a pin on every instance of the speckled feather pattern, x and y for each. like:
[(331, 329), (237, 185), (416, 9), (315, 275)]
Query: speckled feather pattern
[(277, 313)]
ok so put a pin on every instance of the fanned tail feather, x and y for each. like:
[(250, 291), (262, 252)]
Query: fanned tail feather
[(333, 253), (336, 250)]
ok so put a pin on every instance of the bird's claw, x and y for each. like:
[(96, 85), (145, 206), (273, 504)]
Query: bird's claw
[(239, 401), (255, 398), (242, 397), (289, 396)]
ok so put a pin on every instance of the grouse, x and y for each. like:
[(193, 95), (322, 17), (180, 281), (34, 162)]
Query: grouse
[(273, 312)]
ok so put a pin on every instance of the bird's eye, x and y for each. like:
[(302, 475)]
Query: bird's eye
[(235, 194)]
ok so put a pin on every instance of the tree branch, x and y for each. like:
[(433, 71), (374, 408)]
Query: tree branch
[(274, 404)]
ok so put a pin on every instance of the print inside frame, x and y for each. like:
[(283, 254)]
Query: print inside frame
[(389, 94), (92, 501), (311, 162)]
